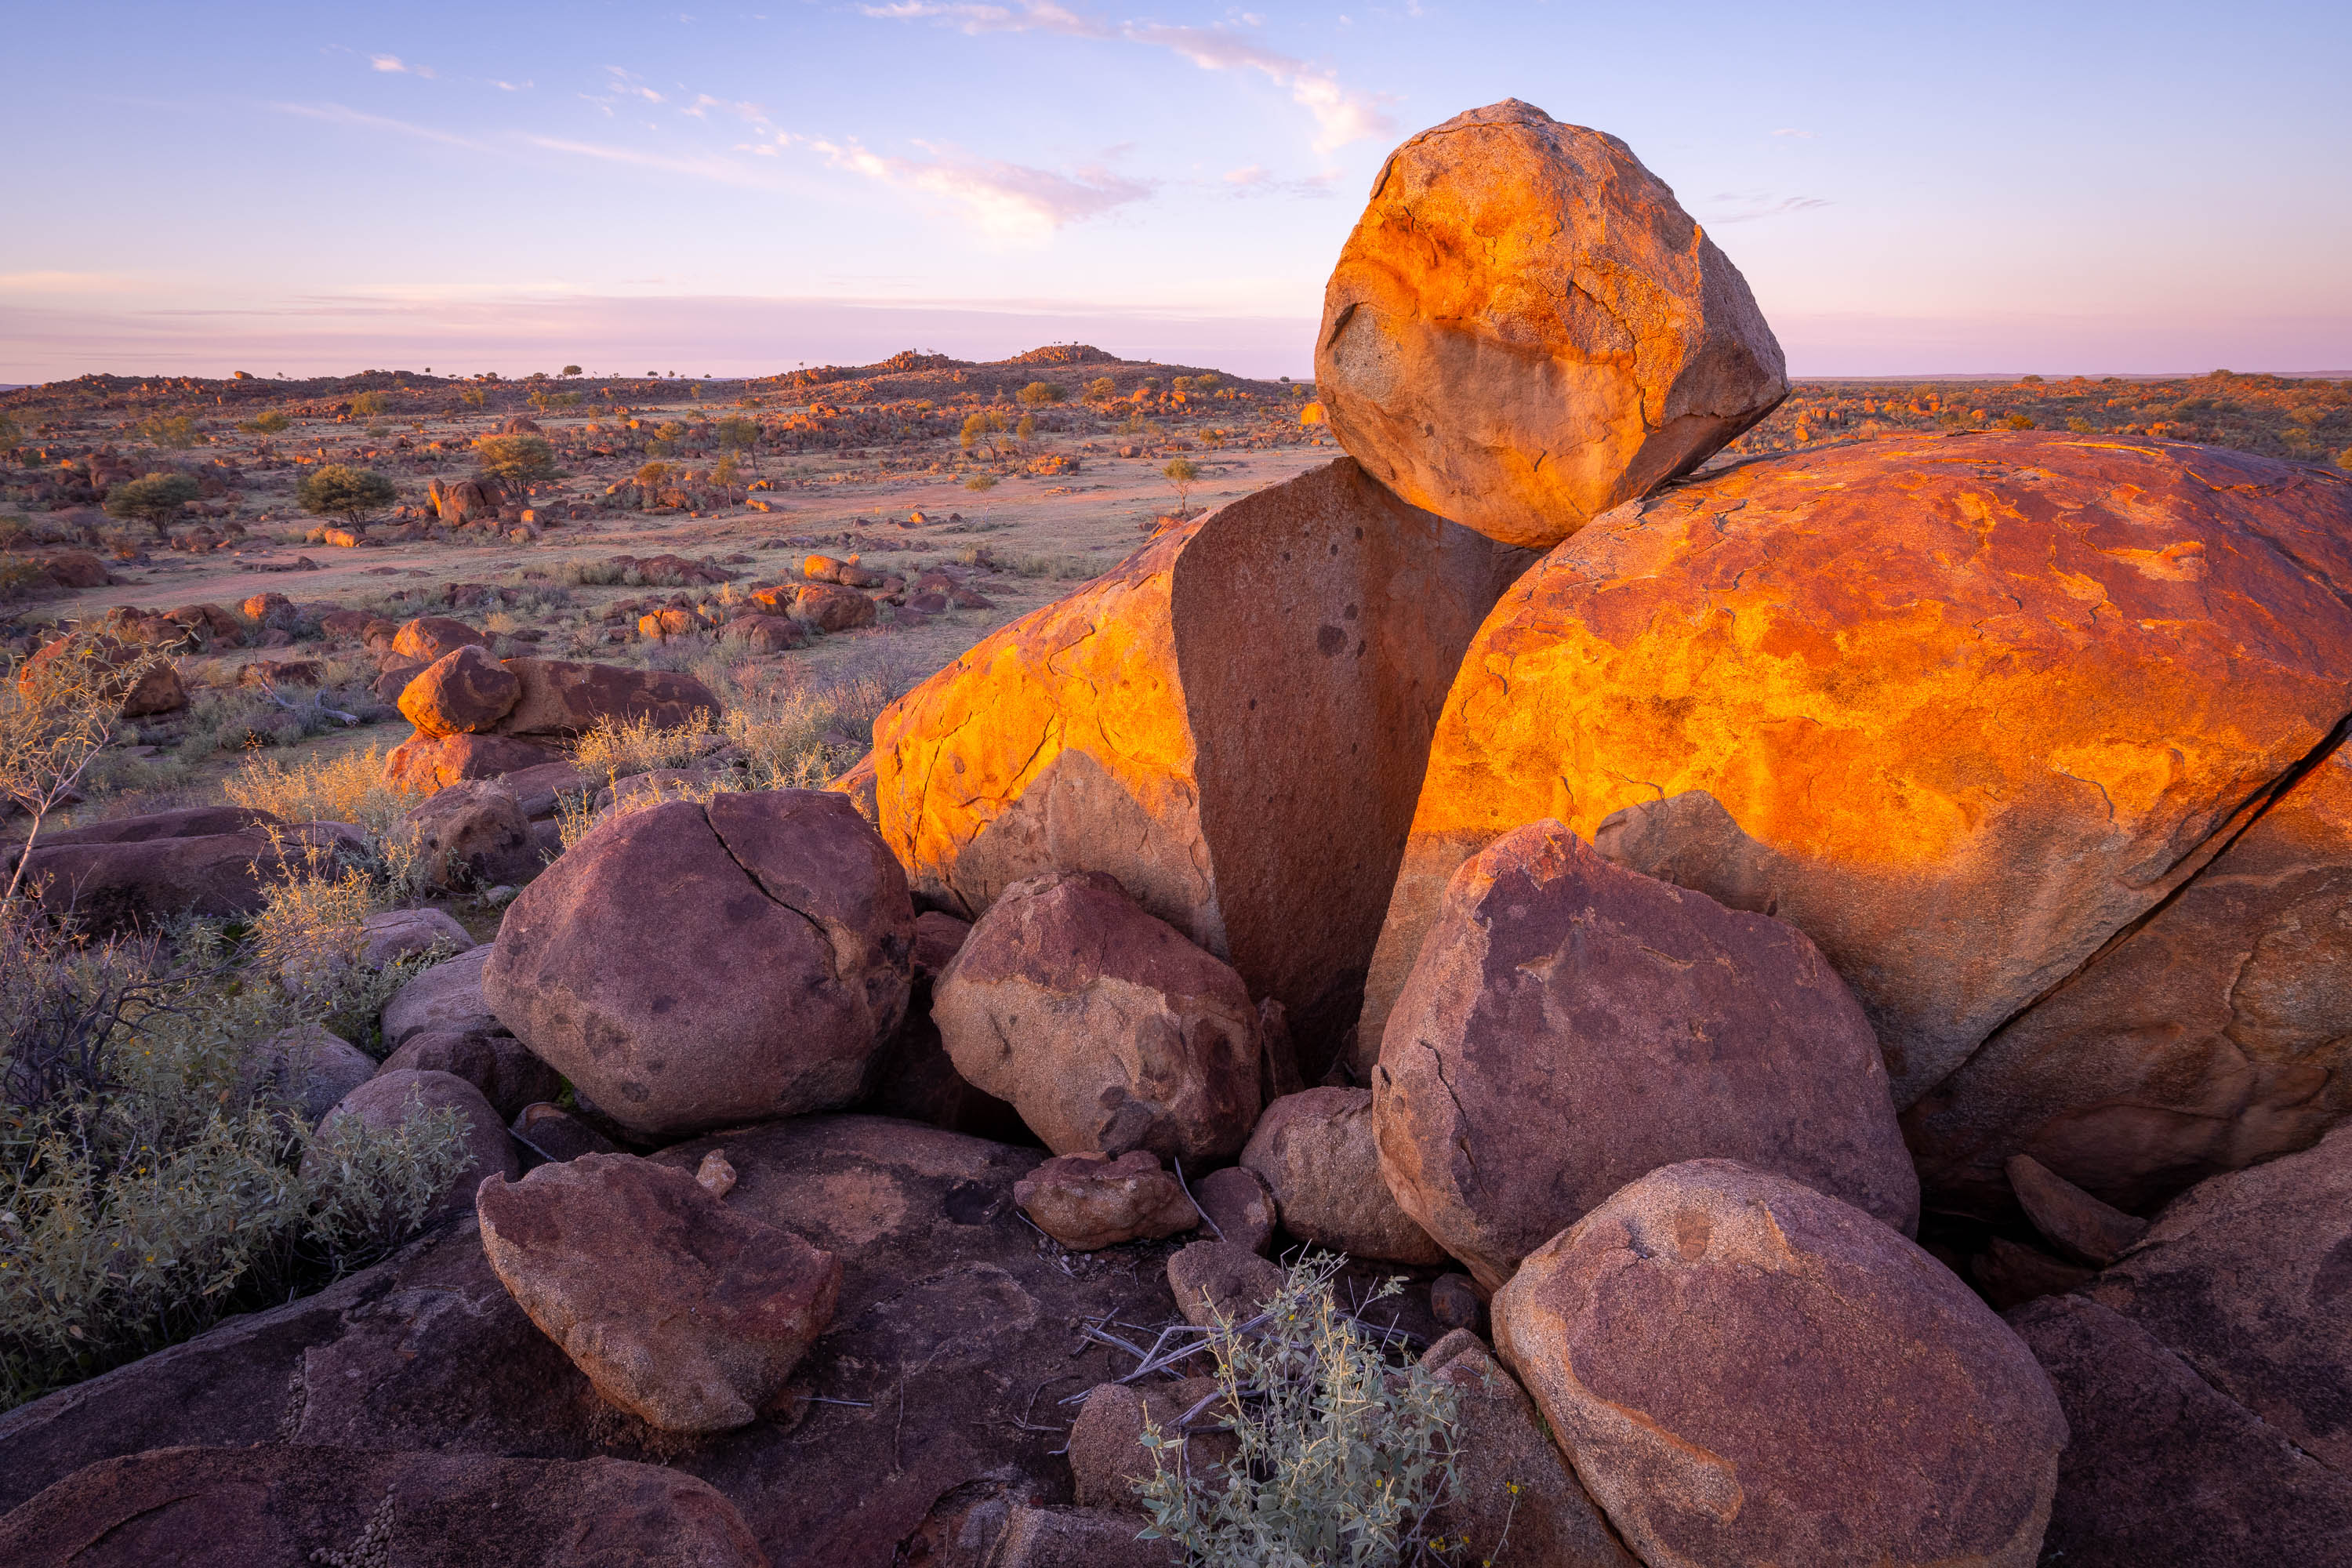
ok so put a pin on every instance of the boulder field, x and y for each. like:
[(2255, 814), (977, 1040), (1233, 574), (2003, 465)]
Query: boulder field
[(1828, 990)]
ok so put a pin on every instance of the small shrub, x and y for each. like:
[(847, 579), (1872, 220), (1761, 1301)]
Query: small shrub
[(353, 494), (176, 431), (1346, 1453), (516, 459), (348, 788), (736, 434), (1183, 473), (1043, 392), (1101, 390), (368, 404), (980, 482), (266, 424), (155, 499), (2018, 422)]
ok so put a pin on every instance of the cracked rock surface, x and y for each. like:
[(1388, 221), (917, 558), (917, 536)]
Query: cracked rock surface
[(1526, 329), (691, 967), (1572, 1026), (1969, 712)]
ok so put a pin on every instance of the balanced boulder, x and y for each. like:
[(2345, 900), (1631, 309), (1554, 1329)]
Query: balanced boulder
[(429, 638), (695, 1324), (1887, 691), (1102, 1026), (1088, 1202), (1572, 1026), (1233, 723), (1526, 329), (462, 691), (691, 966), (1742, 1370), (1315, 1151)]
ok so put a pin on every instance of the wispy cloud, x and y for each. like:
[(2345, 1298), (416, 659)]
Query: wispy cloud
[(725, 170), (1255, 180), (398, 67), (1733, 207), (337, 115), (1341, 114), (1010, 201)]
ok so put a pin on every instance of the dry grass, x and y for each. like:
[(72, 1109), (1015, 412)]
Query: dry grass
[(348, 788)]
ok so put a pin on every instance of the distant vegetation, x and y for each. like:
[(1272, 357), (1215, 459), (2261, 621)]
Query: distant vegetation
[(353, 494)]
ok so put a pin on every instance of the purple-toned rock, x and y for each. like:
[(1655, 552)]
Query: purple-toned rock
[(1316, 1152), (1088, 1201)]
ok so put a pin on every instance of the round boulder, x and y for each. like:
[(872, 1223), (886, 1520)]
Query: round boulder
[(428, 638), (694, 966), (1742, 1370), (1316, 1152), (1526, 329), (396, 1095), (1572, 1026), (1088, 1202), (461, 692), (1100, 1023)]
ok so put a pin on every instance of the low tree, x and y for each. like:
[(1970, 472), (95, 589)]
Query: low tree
[(368, 404), (155, 499), (978, 422), (337, 489), (9, 434), (266, 423), (1028, 429), (1043, 392), (1183, 473), (737, 434), (1101, 390), (516, 459), (56, 717), (570, 370)]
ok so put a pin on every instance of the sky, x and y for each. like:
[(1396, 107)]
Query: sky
[(319, 188)]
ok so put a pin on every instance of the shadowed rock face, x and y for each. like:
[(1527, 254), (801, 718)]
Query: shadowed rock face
[(233, 1507), (1743, 1369), (1233, 723), (1572, 1026), (2160, 1467), (1526, 329), (1962, 709)]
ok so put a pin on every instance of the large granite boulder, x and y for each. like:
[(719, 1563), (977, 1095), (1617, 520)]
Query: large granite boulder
[(1965, 709), (563, 699), (690, 966), (1572, 1026), (462, 691), (1742, 1370), (1526, 329), (1233, 723), (1101, 1025), (693, 1322)]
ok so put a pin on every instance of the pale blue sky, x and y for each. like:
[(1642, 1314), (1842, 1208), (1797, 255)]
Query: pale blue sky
[(729, 188)]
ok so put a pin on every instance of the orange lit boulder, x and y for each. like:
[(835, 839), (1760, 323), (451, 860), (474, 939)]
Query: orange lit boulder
[(1962, 709), (427, 637), (2215, 1036), (1233, 723), (1572, 1026), (462, 691), (1742, 1370), (1526, 329), (422, 764)]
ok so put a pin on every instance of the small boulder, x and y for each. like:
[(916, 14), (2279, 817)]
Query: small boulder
[(2083, 1227), (429, 638), (1510, 1483), (1316, 1152), (1218, 1281), (472, 834), (308, 1068), (447, 996), (1571, 1026), (1087, 1201), (552, 1132), (498, 1063), (764, 634), (1107, 1458), (690, 966), (1742, 1369), (1454, 1302), (424, 763), (389, 1098), (695, 1324), (393, 934), (832, 609), (463, 691), (112, 885), (939, 937), (1239, 1206), (1101, 1025)]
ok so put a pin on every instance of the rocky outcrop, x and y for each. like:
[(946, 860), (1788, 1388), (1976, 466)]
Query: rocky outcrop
[(691, 966), (1101, 1025), (1742, 1370), (693, 1322), (1572, 1026), (146, 871), (1526, 329), (1316, 1152), (1880, 689), (1233, 723), (1088, 1202)]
